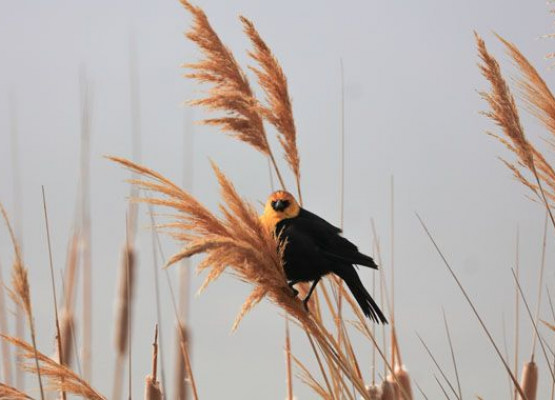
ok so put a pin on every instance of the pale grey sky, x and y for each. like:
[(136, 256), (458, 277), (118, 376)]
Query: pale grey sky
[(411, 110)]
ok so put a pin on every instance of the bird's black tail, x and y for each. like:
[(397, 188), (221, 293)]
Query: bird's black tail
[(363, 298)]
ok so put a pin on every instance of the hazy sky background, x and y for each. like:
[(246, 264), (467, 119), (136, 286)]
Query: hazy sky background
[(411, 111)]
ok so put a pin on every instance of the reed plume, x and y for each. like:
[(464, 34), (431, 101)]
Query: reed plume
[(230, 91), (21, 292), (238, 242), (504, 113), (503, 110), (59, 376), (278, 110), (10, 393)]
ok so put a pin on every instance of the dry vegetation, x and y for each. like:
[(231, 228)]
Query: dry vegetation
[(235, 241)]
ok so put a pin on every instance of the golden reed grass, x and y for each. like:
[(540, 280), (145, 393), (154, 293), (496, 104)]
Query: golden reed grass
[(10, 393), (238, 242), (21, 292), (59, 376), (504, 112), (278, 110), (230, 91)]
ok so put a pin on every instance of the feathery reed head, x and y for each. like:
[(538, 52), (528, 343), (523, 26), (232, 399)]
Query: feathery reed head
[(59, 376), (10, 393), (503, 110), (278, 110), (231, 92), (20, 292)]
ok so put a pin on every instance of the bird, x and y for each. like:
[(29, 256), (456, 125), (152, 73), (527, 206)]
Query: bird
[(315, 248)]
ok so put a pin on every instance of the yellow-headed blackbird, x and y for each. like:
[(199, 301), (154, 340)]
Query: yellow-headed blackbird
[(314, 248)]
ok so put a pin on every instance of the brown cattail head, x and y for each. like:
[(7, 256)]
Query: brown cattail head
[(374, 392), (180, 373), (123, 299), (388, 390), (71, 269), (403, 379), (529, 381), (152, 389), (67, 330)]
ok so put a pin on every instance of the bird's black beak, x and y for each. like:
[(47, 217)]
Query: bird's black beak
[(280, 205)]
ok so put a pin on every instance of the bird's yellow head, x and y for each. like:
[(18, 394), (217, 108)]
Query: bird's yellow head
[(279, 206)]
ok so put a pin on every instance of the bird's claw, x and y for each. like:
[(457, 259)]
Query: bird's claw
[(305, 305)]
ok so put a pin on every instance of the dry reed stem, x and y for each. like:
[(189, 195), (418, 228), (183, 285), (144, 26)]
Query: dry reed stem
[(59, 376), (85, 224), (180, 372), (6, 353), (231, 91), (471, 304), (60, 352), (10, 393), (152, 386), (530, 380), (429, 352), (239, 242), (452, 352), (278, 110), (124, 298), (288, 369), (21, 292)]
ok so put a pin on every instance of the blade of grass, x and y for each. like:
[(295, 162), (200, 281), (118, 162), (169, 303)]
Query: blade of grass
[(474, 310), (51, 263)]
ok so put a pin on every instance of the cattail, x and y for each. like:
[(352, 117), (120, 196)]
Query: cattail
[(389, 389), (180, 373), (124, 298), (67, 330), (529, 381), (403, 380), (152, 386), (374, 392), (152, 389)]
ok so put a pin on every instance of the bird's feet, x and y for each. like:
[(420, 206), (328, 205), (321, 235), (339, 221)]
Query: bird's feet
[(294, 291), (305, 305)]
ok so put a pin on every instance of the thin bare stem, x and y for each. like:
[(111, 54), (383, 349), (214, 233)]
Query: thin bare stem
[(533, 324), (453, 358), (438, 367), (540, 286), (51, 263), (474, 310)]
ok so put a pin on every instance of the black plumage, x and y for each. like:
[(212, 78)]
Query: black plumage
[(316, 248)]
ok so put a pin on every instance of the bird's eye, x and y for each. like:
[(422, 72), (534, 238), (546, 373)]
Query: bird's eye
[(280, 205)]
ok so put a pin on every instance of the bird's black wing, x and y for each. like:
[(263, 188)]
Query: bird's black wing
[(328, 239)]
